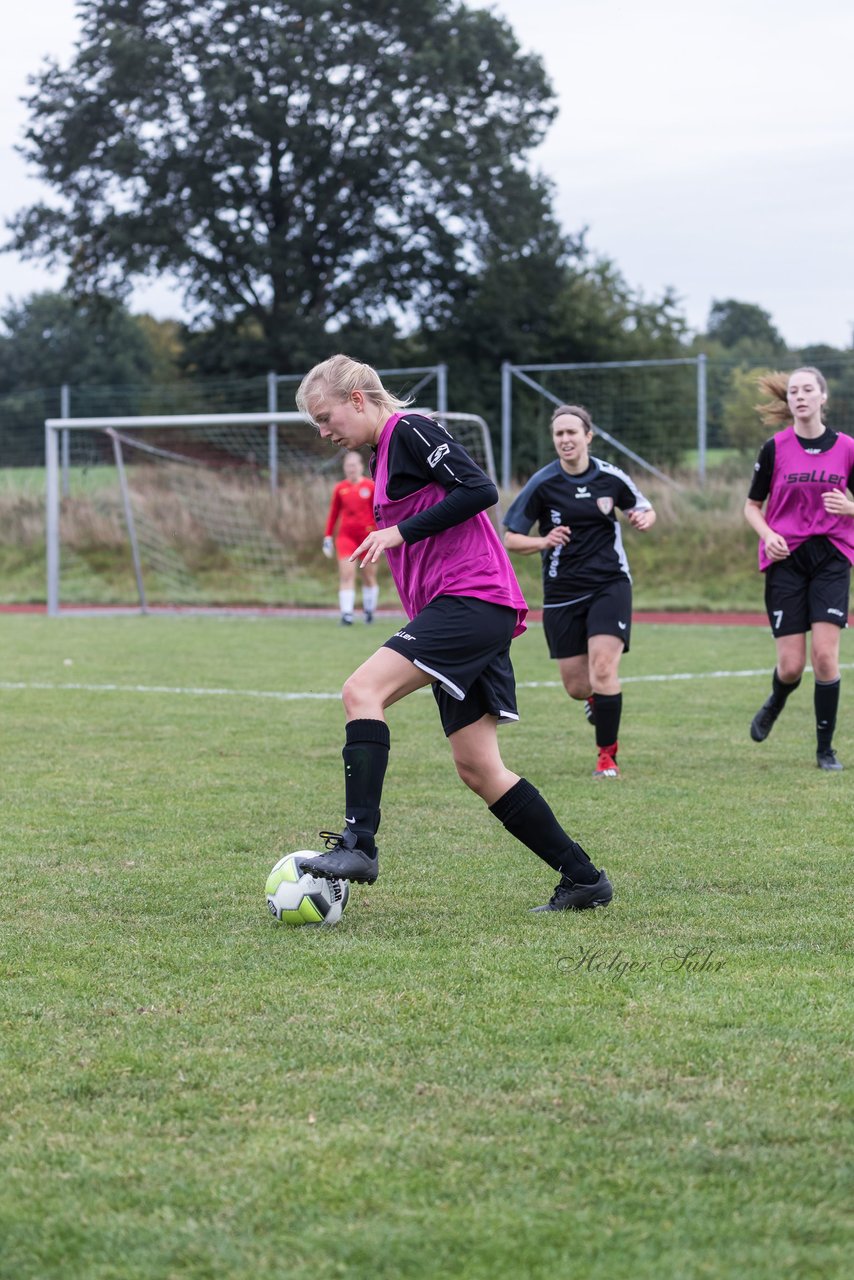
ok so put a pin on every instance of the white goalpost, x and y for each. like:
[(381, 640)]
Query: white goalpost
[(203, 510)]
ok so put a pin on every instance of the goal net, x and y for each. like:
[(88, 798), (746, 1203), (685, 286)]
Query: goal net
[(197, 510)]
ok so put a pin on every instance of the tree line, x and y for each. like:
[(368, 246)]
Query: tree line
[(316, 177)]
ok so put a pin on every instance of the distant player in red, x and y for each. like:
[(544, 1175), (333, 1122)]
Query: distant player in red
[(352, 509)]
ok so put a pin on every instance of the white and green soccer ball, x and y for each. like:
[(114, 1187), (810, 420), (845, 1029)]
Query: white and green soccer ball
[(294, 897)]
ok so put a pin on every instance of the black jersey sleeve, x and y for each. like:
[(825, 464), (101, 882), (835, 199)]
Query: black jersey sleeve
[(422, 452), (527, 507), (763, 471)]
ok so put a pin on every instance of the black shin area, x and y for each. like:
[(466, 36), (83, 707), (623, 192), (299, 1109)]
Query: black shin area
[(527, 816), (826, 700), (365, 761), (609, 710)]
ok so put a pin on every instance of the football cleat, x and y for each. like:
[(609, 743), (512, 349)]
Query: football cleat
[(569, 896), (590, 709), (827, 760), (346, 619), (344, 861), (763, 722), (369, 617), (606, 765)]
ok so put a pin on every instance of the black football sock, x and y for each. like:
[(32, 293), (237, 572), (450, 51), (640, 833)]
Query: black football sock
[(609, 709), (525, 814), (780, 691), (365, 760), (826, 706)]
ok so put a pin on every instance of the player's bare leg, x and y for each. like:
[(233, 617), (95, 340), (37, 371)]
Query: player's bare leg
[(370, 591), (575, 677), (478, 760), (346, 590)]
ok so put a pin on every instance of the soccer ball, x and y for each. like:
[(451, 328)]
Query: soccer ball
[(294, 897)]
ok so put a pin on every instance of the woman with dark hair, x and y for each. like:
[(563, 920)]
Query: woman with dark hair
[(806, 546), (587, 587)]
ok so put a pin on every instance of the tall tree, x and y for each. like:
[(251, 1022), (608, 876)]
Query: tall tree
[(112, 359), (526, 311), (302, 165), (733, 323), (51, 338)]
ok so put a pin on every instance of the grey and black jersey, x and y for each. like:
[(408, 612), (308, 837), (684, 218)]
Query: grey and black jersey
[(587, 504)]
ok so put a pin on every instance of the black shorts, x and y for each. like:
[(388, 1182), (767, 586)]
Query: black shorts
[(464, 644), (811, 585), (604, 612)]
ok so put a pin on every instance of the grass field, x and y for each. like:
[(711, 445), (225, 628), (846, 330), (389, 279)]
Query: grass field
[(442, 1085)]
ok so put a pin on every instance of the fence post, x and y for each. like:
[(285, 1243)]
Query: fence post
[(701, 418), (65, 412), (442, 388), (51, 455), (273, 431), (506, 420)]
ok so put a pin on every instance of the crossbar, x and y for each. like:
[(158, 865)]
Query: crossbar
[(175, 420)]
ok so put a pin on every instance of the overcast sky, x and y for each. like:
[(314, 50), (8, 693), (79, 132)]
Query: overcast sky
[(706, 147)]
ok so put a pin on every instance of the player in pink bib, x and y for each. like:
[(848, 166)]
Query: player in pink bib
[(802, 478), (463, 605)]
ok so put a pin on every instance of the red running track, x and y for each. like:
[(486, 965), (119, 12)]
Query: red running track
[(693, 618), (698, 617)]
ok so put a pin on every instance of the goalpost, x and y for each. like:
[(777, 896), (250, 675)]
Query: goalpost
[(198, 510)]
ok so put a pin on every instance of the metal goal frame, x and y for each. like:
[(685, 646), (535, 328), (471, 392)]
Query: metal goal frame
[(55, 437)]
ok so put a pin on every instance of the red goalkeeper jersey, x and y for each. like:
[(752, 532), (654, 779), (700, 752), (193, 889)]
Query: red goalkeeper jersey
[(352, 505)]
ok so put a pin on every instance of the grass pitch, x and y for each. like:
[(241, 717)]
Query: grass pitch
[(442, 1085)]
